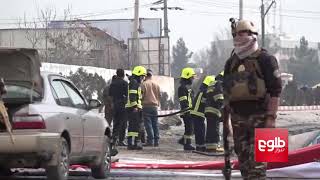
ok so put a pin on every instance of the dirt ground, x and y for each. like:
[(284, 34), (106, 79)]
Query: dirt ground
[(169, 149)]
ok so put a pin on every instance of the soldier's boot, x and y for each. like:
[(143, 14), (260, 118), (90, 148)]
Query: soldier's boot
[(130, 143), (188, 146)]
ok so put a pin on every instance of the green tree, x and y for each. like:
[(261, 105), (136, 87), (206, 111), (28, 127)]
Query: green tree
[(305, 65), (213, 59), (89, 84), (181, 56)]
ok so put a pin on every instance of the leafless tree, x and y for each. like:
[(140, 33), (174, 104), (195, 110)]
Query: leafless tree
[(72, 42)]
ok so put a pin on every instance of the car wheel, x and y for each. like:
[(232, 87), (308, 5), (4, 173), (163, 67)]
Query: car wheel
[(61, 171), (102, 170)]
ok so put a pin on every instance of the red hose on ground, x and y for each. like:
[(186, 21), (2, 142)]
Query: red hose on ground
[(301, 156)]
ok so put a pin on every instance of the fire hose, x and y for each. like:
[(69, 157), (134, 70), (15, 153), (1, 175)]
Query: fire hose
[(166, 115)]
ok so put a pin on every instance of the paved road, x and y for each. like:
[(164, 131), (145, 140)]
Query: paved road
[(129, 174), (141, 175)]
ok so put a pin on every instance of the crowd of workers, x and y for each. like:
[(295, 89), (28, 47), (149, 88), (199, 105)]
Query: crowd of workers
[(247, 91), (293, 95), (135, 104)]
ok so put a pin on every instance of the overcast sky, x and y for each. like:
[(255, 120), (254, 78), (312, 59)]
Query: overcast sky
[(198, 23)]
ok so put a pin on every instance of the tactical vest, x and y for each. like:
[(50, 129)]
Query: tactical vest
[(245, 81)]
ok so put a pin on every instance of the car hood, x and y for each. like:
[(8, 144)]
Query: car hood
[(21, 67)]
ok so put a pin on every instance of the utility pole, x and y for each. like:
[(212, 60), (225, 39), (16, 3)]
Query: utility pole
[(263, 16), (165, 18), (166, 30), (262, 24), (135, 35), (281, 18), (165, 9), (240, 9)]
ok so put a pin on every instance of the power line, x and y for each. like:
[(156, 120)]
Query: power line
[(229, 4), (201, 3), (210, 13), (79, 16)]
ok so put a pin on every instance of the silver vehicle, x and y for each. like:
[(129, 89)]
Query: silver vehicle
[(53, 124)]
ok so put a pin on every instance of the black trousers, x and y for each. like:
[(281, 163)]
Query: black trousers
[(213, 128), (135, 127), (119, 124), (188, 126), (199, 130)]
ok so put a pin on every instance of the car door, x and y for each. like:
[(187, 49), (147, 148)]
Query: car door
[(94, 128), (70, 113), (93, 123)]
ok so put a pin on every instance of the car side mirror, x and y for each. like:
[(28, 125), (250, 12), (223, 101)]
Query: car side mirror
[(94, 104)]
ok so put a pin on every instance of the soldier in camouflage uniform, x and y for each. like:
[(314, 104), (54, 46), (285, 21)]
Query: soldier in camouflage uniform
[(252, 88)]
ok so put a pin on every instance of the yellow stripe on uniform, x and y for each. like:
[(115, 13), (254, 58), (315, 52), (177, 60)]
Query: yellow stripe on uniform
[(218, 96), (209, 90), (182, 98), (198, 114), (196, 108), (133, 134), (189, 98), (133, 91), (131, 104), (212, 145), (213, 110)]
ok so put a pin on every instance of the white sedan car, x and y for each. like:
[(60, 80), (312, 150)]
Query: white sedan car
[(53, 124)]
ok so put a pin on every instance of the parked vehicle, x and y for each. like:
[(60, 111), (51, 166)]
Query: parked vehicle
[(53, 124)]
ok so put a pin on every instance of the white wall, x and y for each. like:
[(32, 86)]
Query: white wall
[(166, 83)]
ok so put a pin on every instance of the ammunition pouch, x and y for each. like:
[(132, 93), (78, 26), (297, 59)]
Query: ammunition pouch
[(245, 86)]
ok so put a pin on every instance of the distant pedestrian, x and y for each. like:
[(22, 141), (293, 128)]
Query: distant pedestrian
[(151, 102)]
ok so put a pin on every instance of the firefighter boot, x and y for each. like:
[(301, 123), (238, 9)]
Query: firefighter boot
[(130, 143), (200, 148), (181, 141), (188, 146), (137, 144)]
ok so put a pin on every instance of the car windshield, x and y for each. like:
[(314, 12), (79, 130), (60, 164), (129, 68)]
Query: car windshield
[(20, 92)]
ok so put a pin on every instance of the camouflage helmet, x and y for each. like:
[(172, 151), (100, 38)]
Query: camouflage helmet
[(245, 25)]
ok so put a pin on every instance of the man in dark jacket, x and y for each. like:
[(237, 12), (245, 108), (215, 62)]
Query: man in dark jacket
[(118, 93), (107, 101)]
